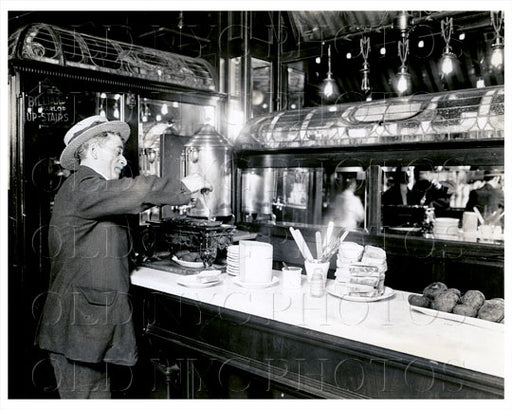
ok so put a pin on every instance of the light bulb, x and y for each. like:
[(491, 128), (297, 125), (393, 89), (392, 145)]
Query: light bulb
[(348, 55), (403, 83), (421, 44), (383, 51), (480, 83), (446, 65), (164, 110), (448, 61), (497, 57), (116, 112), (328, 88)]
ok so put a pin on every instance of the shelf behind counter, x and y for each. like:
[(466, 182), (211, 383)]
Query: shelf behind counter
[(318, 347), (413, 261)]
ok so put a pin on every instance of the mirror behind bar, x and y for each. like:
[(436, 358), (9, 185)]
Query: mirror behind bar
[(430, 201)]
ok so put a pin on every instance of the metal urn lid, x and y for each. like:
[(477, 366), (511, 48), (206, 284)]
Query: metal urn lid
[(206, 137)]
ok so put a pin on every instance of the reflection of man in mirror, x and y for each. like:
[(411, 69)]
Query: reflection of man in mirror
[(348, 210), (432, 193), (489, 199), (401, 189)]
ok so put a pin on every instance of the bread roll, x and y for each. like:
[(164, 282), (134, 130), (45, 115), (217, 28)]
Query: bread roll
[(191, 257), (445, 301), (492, 310), (473, 298), (453, 290), (465, 310), (419, 300), (434, 289)]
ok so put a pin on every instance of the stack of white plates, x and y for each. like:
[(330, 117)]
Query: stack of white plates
[(446, 228), (233, 259)]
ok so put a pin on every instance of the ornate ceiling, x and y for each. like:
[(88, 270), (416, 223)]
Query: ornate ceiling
[(304, 36)]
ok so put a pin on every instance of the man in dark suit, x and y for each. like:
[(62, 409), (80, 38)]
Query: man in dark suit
[(489, 199), (86, 320)]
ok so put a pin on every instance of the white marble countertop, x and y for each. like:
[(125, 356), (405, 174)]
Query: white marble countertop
[(388, 323)]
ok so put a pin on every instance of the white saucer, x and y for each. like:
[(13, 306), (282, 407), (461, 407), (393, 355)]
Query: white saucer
[(192, 282), (187, 264), (247, 285), (388, 292), (405, 229)]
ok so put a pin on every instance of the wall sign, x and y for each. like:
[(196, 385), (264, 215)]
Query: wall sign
[(49, 108)]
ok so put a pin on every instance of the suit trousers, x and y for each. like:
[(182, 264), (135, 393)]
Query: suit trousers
[(79, 380)]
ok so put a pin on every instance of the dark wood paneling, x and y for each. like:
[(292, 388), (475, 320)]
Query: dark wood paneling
[(482, 152)]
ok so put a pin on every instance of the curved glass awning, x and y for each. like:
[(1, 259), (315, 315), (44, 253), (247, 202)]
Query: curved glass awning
[(465, 114), (54, 45)]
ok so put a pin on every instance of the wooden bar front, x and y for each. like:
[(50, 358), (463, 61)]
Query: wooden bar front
[(231, 342)]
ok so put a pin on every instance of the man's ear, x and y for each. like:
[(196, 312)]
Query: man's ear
[(93, 150)]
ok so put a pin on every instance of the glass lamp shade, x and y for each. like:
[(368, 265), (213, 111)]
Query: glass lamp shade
[(330, 88), (403, 82), (497, 56), (448, 62)]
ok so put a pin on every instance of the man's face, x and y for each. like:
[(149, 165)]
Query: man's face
[(110, 156), (409, 171)]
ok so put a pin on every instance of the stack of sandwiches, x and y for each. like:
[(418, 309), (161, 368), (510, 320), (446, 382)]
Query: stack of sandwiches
[(360, 270)]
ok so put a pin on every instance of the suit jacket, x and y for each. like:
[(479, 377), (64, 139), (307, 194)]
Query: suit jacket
[(87, 314), (393, 196), (486, 198)]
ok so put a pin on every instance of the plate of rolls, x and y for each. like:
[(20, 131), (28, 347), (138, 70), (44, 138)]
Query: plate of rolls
[(470, 307)]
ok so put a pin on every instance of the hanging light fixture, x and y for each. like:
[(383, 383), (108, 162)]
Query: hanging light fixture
[(383, 48), (497, 57), (365, 50), (329, 86), (403, 78), (180, 21), (448, 59)]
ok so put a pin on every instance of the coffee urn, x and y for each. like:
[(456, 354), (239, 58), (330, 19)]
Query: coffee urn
[(258, 193), (210, 155)]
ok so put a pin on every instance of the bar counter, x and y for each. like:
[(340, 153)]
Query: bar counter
[(434, 357)]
